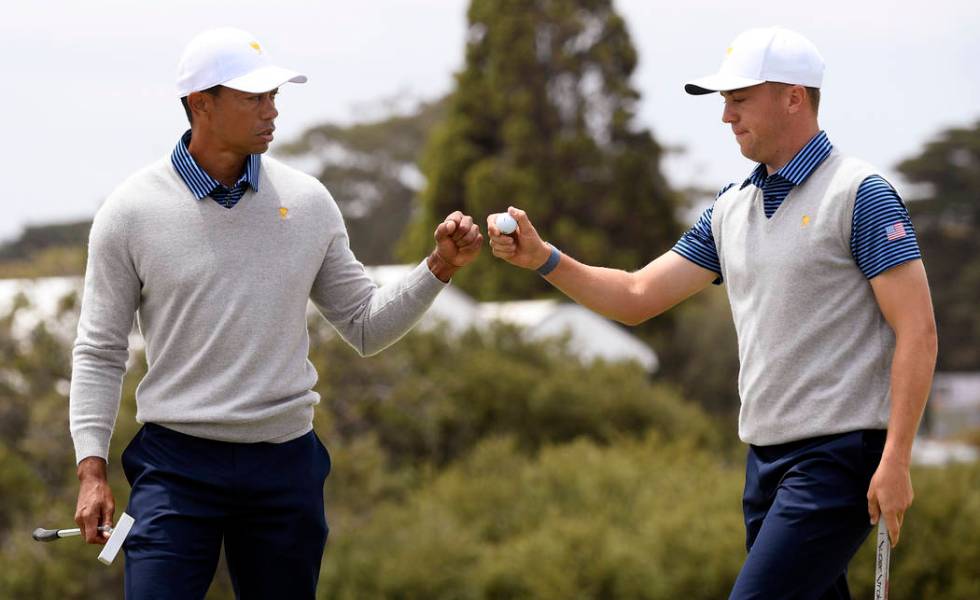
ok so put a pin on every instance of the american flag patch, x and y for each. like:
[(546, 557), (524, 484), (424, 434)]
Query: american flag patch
[(895, 232)]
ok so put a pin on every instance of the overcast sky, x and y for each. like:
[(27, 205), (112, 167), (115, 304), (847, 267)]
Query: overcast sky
[(88, 93)]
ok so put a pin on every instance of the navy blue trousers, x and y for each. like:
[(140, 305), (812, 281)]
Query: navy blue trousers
[(806, 515), (189, 495)]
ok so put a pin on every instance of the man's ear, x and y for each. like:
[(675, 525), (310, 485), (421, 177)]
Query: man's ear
[(796, 99), (201, 104)]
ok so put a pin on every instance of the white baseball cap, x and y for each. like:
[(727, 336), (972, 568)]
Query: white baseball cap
[(232, 58), (760, 55)]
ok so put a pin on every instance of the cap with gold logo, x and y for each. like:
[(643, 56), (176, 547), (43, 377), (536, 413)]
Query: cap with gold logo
[(232, 58), (760, 55)]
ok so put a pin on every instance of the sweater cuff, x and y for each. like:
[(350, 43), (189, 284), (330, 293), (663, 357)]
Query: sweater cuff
[(90, 443), (426, 280)]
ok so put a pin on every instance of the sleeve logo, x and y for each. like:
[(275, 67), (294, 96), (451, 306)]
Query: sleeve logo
[(895, 232)]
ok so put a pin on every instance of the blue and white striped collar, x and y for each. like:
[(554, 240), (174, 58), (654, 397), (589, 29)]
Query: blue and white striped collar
[(800, 167), (200, 183)]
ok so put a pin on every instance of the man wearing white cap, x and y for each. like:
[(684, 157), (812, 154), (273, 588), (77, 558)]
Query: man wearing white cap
[(217, 250), (836, 335)]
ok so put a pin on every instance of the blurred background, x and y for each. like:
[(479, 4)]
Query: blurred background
[(514, 445)]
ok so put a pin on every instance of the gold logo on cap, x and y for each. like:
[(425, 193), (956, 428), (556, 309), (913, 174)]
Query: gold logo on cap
[(728, 52), (805, 222), (283, 212), (255, 46)]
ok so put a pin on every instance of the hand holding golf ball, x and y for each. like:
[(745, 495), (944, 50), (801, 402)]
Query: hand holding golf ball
[(514, 239), (506, 224)]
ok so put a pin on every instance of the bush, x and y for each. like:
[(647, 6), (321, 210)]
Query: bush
[(638, 519), (432, 397)]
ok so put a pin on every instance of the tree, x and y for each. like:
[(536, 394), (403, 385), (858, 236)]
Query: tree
[(38, 238), (946, 222), (46, 250), (542, 118)]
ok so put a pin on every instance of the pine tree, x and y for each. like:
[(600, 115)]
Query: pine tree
[(542, 117), (946, 220)]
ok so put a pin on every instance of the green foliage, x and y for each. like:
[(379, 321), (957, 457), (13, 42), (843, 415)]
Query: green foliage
[(37, 483), (542, 118), (576, 521), (480, 467), (538, 393), (946, 221)]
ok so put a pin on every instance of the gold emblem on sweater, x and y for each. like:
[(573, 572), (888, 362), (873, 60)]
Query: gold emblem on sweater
[(283, 212), (805, 222)]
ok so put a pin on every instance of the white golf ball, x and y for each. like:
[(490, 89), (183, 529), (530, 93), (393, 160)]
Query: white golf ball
[(506, 223)]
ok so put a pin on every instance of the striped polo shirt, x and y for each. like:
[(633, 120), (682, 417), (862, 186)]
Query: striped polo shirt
[(882, 236), (201, 184)]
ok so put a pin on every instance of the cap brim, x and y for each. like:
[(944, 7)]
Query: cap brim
[(719, 82), (265, 79)]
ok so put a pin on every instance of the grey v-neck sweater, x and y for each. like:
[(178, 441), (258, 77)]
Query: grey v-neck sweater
[(220, 297)]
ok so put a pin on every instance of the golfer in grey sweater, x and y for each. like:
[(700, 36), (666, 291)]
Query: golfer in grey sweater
[(216, 251)]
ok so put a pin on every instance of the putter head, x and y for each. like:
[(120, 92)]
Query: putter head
[(116, 539)]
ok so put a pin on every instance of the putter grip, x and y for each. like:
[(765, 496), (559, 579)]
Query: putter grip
[(883, 551), (45, 535)]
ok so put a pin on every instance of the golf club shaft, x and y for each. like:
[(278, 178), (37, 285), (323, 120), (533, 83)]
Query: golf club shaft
[(48, 535)]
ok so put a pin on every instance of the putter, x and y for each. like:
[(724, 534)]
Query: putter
[(882, 558), (117, 535)]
